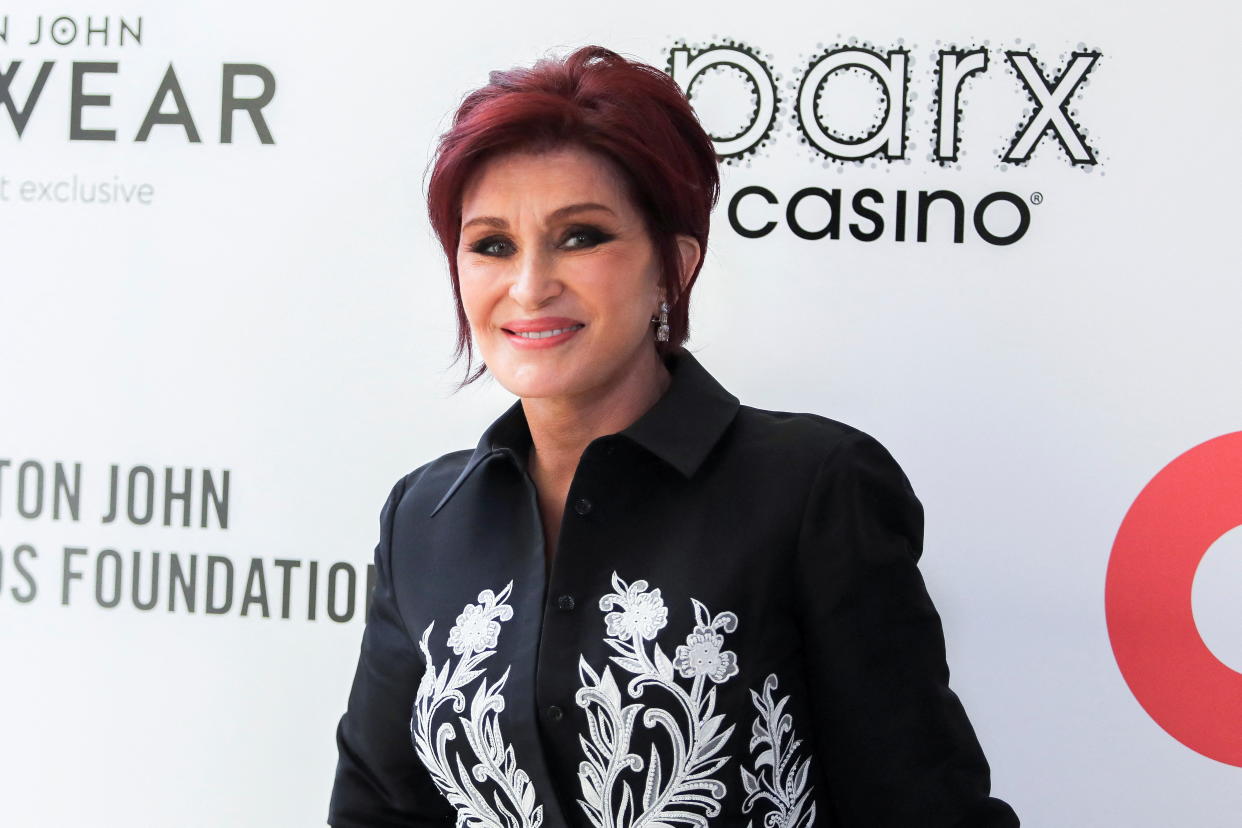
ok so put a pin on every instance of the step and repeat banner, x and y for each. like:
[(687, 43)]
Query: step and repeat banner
[(1000, 238)]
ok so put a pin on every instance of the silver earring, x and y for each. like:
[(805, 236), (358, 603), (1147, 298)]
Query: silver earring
[(662, 331)]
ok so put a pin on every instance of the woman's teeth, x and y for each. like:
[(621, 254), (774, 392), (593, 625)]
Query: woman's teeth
[(546, 334)]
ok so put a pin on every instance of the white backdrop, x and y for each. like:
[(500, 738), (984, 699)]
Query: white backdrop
[(280, 312)]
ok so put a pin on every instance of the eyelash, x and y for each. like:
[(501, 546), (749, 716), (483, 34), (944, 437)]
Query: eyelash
[(594, 236)]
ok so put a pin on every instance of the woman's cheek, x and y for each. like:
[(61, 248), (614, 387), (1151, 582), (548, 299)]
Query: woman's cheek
[(473, 289)]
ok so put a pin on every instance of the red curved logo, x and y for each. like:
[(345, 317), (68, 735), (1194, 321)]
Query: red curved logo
[(1185, 508)]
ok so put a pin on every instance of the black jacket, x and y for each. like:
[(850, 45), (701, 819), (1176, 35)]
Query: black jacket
[(733, 630)]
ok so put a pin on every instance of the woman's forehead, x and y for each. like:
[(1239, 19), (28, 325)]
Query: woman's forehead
[(544, 180)]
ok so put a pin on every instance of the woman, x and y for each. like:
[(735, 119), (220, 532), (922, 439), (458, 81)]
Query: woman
[(636, 602)]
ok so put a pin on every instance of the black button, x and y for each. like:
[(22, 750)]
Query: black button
[(555, 713), (565, 602), (611, 448), (582, 505)]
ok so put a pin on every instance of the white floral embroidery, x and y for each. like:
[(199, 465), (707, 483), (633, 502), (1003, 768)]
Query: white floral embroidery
[(689, 795), (513, 803), (780, 776), (475, 631), (643, 614), (701, 654), (683, 794)]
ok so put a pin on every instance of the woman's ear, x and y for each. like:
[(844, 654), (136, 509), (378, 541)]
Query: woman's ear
[(691, 252)]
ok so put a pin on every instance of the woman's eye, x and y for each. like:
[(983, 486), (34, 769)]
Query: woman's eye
[(581, 237), (491, 246)]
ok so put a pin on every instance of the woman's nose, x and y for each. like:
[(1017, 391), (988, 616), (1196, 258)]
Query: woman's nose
[(534, 282)]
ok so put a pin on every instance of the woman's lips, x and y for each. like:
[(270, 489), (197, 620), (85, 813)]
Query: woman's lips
[(544, 337)]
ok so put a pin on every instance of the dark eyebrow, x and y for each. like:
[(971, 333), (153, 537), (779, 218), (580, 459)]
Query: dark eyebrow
[(561, 212)]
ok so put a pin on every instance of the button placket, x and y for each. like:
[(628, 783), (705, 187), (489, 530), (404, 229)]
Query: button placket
[(561, 632)]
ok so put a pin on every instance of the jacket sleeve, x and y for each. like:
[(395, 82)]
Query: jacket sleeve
[(380, 782), (896, 745)]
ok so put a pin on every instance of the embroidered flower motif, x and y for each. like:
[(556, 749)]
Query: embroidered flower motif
[(509, 800), (475, 632), (701, 656), (642, 614), (681, 789)]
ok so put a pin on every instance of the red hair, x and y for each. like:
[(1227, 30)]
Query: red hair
[(629, 112)]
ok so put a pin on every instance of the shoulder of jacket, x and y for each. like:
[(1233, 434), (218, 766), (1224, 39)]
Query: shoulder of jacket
[(810, 436), (808, 445)]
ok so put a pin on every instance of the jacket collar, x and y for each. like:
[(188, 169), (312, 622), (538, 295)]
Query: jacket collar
[(681, 428)]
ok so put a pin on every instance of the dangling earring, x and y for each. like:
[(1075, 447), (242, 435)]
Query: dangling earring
[(662, 331)]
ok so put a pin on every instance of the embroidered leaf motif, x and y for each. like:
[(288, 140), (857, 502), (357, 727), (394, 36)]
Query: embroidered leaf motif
[(513, 803), (610, 725), (663, 666), (684, 793), (749, 783), (653, 779), (780, 774)]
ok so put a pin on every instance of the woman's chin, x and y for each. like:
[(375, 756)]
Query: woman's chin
[(532, 381)]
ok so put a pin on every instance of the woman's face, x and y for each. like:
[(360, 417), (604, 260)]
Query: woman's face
[(558, 275)]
